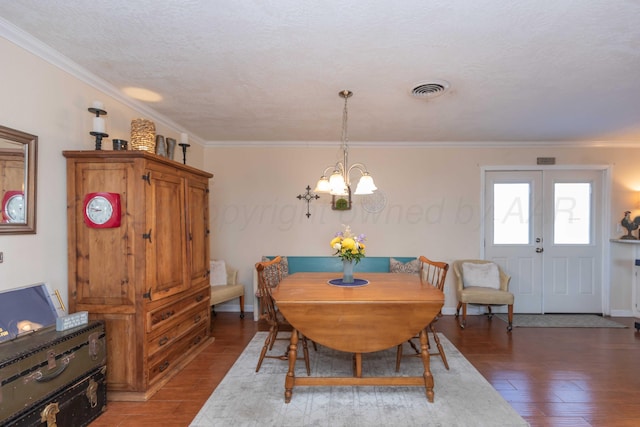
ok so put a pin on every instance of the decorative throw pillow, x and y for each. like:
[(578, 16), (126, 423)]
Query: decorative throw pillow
[(271, 272), (412, 267), (218, 273), (485, 275)]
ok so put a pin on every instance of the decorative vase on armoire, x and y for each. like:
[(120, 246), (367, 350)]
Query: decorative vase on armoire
[(161, 147), (171, 147)]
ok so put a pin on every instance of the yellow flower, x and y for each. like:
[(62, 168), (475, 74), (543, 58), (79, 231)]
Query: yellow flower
[(334, 241), (349, 243)]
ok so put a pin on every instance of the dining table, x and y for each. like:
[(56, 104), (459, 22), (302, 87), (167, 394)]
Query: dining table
[(378, 312)]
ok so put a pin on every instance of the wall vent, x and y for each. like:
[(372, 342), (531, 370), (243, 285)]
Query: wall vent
[(546, 160)]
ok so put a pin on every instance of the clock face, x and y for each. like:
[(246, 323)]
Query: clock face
[(99, 210), (102, 210), (14, 208)]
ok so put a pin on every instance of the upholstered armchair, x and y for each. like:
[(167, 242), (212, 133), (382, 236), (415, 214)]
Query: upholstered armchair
[(485, 284), (224, 286)]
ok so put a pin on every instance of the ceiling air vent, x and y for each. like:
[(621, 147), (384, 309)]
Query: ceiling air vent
[(430, 89)]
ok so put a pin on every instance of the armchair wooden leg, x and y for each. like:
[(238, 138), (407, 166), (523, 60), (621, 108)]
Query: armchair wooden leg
[(242, 307), (464, 315), (510, 315)]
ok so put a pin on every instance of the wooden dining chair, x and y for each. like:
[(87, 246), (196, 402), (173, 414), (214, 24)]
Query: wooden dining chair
[(269, 276), (435, 273)]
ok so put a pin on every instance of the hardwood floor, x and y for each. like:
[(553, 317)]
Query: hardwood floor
[(551, 376)]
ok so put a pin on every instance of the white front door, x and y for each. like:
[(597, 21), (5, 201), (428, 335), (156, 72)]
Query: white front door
[(544, 228)]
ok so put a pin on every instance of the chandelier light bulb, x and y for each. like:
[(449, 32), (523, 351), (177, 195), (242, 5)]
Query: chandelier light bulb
[(366, 185), (323, 185)]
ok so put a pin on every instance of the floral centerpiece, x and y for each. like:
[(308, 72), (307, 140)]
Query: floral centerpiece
[(349, 248)]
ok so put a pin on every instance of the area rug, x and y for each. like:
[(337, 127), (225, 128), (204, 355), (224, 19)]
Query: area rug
[(560, 321), (246, 398)]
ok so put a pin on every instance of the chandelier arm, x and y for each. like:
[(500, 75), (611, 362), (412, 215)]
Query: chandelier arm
[(327, 169), (360, 167)]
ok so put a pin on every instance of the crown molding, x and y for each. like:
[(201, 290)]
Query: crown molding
[(425, 144)]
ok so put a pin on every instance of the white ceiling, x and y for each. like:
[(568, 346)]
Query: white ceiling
[(258, 70)]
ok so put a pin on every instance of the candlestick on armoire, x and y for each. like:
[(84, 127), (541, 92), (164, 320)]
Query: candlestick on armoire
[(99, 127)]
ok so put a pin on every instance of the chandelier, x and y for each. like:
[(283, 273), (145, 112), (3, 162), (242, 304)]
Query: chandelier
[(339, 182)]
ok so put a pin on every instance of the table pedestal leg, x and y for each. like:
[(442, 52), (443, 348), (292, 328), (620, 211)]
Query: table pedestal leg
[(428, 378), (291, 376)]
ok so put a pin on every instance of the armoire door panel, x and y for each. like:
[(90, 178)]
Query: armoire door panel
[(166, 228)]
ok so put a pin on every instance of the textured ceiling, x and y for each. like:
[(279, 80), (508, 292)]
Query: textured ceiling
[(241, 70)]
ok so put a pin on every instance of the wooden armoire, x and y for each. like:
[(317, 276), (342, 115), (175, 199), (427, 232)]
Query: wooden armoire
[(148, 277)]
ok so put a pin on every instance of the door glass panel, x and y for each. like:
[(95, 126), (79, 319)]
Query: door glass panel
[(511, 213), (572, 213)]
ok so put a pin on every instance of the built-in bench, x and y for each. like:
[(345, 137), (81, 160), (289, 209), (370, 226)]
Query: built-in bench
[(298, 264)]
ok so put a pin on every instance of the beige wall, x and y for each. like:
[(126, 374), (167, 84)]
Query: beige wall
[(433, 202), (432, 193)]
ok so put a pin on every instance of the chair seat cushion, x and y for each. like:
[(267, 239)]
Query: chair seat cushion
[(482, 295), (223, 293)]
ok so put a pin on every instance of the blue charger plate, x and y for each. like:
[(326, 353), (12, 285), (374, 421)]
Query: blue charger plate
[(355, 284)]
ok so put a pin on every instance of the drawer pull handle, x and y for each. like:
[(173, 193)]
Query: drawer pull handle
[(163, 340), (199, 298), (164, 366), (167, 315), (197, 318), (197, 340)]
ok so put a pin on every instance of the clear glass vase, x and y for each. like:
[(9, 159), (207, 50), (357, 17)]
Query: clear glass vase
[(347, 271)]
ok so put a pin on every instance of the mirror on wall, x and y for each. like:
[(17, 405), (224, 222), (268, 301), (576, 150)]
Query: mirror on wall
[(17, 181)]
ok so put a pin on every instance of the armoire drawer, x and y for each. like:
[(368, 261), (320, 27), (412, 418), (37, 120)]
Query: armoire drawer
[(164, 361), (182, 324), (158, 317)]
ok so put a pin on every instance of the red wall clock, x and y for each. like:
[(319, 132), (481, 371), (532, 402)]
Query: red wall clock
[(102, 210)]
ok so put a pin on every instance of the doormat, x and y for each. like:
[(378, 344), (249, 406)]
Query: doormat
[(560, 321)]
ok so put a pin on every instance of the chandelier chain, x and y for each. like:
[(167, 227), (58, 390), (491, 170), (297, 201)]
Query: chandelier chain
[(345, 140)]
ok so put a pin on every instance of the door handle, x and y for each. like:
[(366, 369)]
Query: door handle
[(539, 250)]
